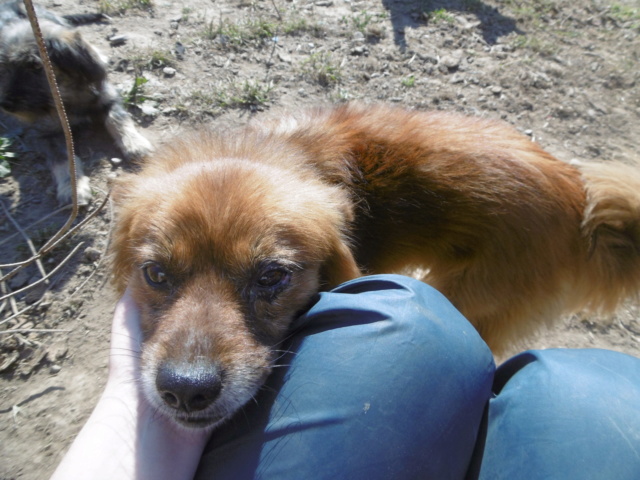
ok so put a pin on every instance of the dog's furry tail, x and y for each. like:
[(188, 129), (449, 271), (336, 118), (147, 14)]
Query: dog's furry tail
[(611, 226)]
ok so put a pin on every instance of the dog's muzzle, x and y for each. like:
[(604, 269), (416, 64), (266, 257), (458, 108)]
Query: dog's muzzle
[(189, 387)]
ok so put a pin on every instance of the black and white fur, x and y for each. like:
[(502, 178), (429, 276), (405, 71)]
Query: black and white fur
[(81, 73)]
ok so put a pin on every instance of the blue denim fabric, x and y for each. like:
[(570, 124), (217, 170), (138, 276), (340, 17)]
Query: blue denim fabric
[(384, 379), (564, 414)]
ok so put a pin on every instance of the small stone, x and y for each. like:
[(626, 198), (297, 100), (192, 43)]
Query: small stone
[(91, 254), (179, 50), (149, 109), (55, 369), (284, 58), (117, 40), (115, 161), (452, 62), (169, 71)]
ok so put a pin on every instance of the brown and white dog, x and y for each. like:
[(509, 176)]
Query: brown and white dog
[(81, 74), (225, 237)]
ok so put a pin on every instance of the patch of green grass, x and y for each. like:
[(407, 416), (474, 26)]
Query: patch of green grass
[(409, 81), (153, 59), (298, 26), (531, 10), (135, 96), (239, 34), (361, 21), (207, 101), (367, 23), (210, 31), (341, 95), (112, 7), (248, 94), (536, 44), (161, 59), (624, 13), (186, 11), (322, 69), (441, 15)]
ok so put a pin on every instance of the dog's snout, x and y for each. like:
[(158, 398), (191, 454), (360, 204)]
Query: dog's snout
[(189, 387)]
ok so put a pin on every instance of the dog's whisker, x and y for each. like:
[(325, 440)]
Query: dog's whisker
[(126, 335), (284, 365), (282, 355), (125, 349), (130, 353)]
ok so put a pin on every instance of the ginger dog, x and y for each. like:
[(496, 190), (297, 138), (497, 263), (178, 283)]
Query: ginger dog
[(225, 238)]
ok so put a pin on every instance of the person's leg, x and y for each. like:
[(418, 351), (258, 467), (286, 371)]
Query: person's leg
[(565, 414), (381, 379)]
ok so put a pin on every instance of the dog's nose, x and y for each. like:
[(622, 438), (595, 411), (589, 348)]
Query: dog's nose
[(189, 387)]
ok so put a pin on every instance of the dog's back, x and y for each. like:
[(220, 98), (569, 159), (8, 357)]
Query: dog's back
[(510, 234)]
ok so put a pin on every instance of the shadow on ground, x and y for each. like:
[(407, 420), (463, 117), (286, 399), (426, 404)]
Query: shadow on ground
[(413, 13)]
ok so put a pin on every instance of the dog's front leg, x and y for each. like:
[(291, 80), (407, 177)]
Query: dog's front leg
[(56, 155)]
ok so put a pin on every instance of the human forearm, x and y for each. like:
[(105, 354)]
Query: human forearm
[(124, 438)]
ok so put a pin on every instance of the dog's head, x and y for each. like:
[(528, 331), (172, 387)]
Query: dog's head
[(221, 254), (24, 91)]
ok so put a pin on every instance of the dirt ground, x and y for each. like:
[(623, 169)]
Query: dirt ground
[(564, 72)]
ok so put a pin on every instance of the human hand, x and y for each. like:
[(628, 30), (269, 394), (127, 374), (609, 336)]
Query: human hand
[(126, 344), (125, 437)]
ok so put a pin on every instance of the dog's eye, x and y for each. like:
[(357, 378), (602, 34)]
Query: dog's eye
[(273, 277), (154, 275)]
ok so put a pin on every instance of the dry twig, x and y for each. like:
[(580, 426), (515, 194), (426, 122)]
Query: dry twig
[(27, 239)]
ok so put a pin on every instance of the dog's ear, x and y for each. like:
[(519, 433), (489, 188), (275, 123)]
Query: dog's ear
[(339, 267), (120, 248), (72, 55)]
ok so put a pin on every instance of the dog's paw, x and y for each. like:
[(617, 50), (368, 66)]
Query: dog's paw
[(123, 130), (83, 189), (134, 145)]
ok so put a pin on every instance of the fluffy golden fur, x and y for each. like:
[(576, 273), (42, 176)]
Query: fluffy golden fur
[(81, 74), (225, 238)]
